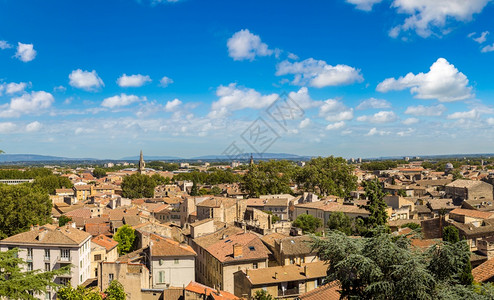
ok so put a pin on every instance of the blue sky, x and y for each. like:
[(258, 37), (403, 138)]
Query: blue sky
[(186, 78)]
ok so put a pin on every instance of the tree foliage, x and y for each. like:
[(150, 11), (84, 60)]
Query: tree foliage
[(308, 223), (376, 205), (383, 266), (22, 206), (99, 173), (269, 177), (412, 226), (138, 186), (341, 222), (63, 220), (115, 291), (451, 234), (327, 176), (125, 237), (80, 293), (160, 180), (52, 182), (262, 295), (15, 283)]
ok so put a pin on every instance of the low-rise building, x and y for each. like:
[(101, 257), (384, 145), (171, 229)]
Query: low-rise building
[(103, 248)]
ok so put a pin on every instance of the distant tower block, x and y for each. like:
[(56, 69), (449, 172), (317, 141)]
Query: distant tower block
[(142, 164)]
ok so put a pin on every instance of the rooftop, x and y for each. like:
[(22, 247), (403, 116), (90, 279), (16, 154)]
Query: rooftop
[(274, 275), (65, 235)]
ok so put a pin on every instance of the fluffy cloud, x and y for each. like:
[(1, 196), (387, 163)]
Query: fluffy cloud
[(335, 111), (89, 81), (27, 104), (121, 100), (233, 98), (373, 103), (337, 125), (318, 73), (379, 117), (488, 48), (166, 81), (375, 131), (490, 121), (410, 121), (25, 52), (7, 127), (408, 132), (172, 105), (443, 82), (304, 123), (133, 80), (5, 45), (245, 45), (33, 126), (426, 111), (303, 99), (482, 38), (471, 114), (427, 15), (13, 87), (365, 5)]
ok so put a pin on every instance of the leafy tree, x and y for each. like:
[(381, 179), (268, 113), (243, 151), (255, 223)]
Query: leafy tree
[(194, 190), (80, 293), (125, 237), (451, 234), (271, 177), (18, 284), (115, 291), (308, 223), (262, 295), (274, 217), (412, 226), (160, 180), (457, 175), (22, 206), (63, 220), (402, 193), (52, 182), (327, 176), (340, 221), (138, 186), (385, 267), (376, 205), (99, 173), (216, 190)]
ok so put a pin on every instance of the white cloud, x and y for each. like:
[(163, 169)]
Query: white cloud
[(373, 103), (337, 125), (335, 111), (33, 126), (137, 80), (488, 48), (166, 81), (443, 82), (375, 131), (304, 123), (426, 111), (5, 45), (427, 15), (172, 105), (318, 73), (410, 121), (89, 81), (303, 99), (365, 5), (471, 114), (121, 100), (25, 52), (482, 38), (7, 127), (293, 56), (13, 87), (27, 104), (245, 45), (379, 117), (408, 132), (233, 98), (490, 121)]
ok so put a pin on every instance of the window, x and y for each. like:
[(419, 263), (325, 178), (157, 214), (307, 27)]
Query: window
[(29, 253), (474, 242), (161, 277), (47, 267), (254, 265), (64, 281), (29, 266), (48, 296), (110, 277), (176, 261), (302, 260), (65, 254), (161, 262), (292, 261), (97, 257), (47, 254)]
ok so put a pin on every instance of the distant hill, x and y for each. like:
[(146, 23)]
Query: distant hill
[(150, 158), (256, 156), (35, 157)]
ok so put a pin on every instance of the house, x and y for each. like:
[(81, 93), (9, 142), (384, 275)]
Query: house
[(49, 247), (226, 251), (472, 233), (484, 272), (279, 207), (470, 216), (294, 250), (286, 282), (103, 248), (402, 208), (329, 291), (197, 291), (462, 189), (133, 276), (323, 209), (172, 263), (221, 209)]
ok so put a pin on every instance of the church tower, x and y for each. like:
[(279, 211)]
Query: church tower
[(251, 163), (142, 164)]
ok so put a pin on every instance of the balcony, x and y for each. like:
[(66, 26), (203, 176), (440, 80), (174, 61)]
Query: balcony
[(29, 258), (64, 259), (289, 293), (46, 258)]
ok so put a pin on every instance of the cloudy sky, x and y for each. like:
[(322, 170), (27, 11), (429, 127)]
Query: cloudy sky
[(364, 78)]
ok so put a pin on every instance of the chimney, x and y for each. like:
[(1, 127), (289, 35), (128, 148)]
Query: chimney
[(305, 270), (275, 275), (237, 250)]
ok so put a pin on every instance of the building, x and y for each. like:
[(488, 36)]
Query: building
[(103, 249), (49, 247), (294, 250), (226, 210), (286, 282), (172, 263), (133, 276), (323, 209), (141, 165), (469, 190)]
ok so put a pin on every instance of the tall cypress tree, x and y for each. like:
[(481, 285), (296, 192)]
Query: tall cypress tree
[(376, 205)]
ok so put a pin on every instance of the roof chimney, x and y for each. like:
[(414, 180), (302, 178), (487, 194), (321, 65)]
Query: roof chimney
[(237, 250), (275, 275)]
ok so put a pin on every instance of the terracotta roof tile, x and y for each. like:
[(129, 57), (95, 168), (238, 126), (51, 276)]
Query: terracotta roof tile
[(164, 247), (329, 291), (472, 213), (104, 241), (484, 271), (205, 290)]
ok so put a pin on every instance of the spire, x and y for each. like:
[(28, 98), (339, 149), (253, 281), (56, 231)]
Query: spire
[(142, 164), (251, 160)]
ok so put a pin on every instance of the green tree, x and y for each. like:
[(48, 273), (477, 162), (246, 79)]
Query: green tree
[(274, 217), (340, 221), (262, 295), (194, 191), (160, 180), (80, 293), (125, 237), (216, 190), (138, 186), (327, 176), (18, 284), (52, 182), (308, 223), (412, 226), (63, 220), (271, 177), (99, 173), (376, 205), (22, 206), (451, 234), (115, 291)]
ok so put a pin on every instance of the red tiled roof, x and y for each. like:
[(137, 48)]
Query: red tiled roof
[(472, 213), (205, 290), (163, 247), (104, 241), (252, 248), (328, 291), (484, 271)]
